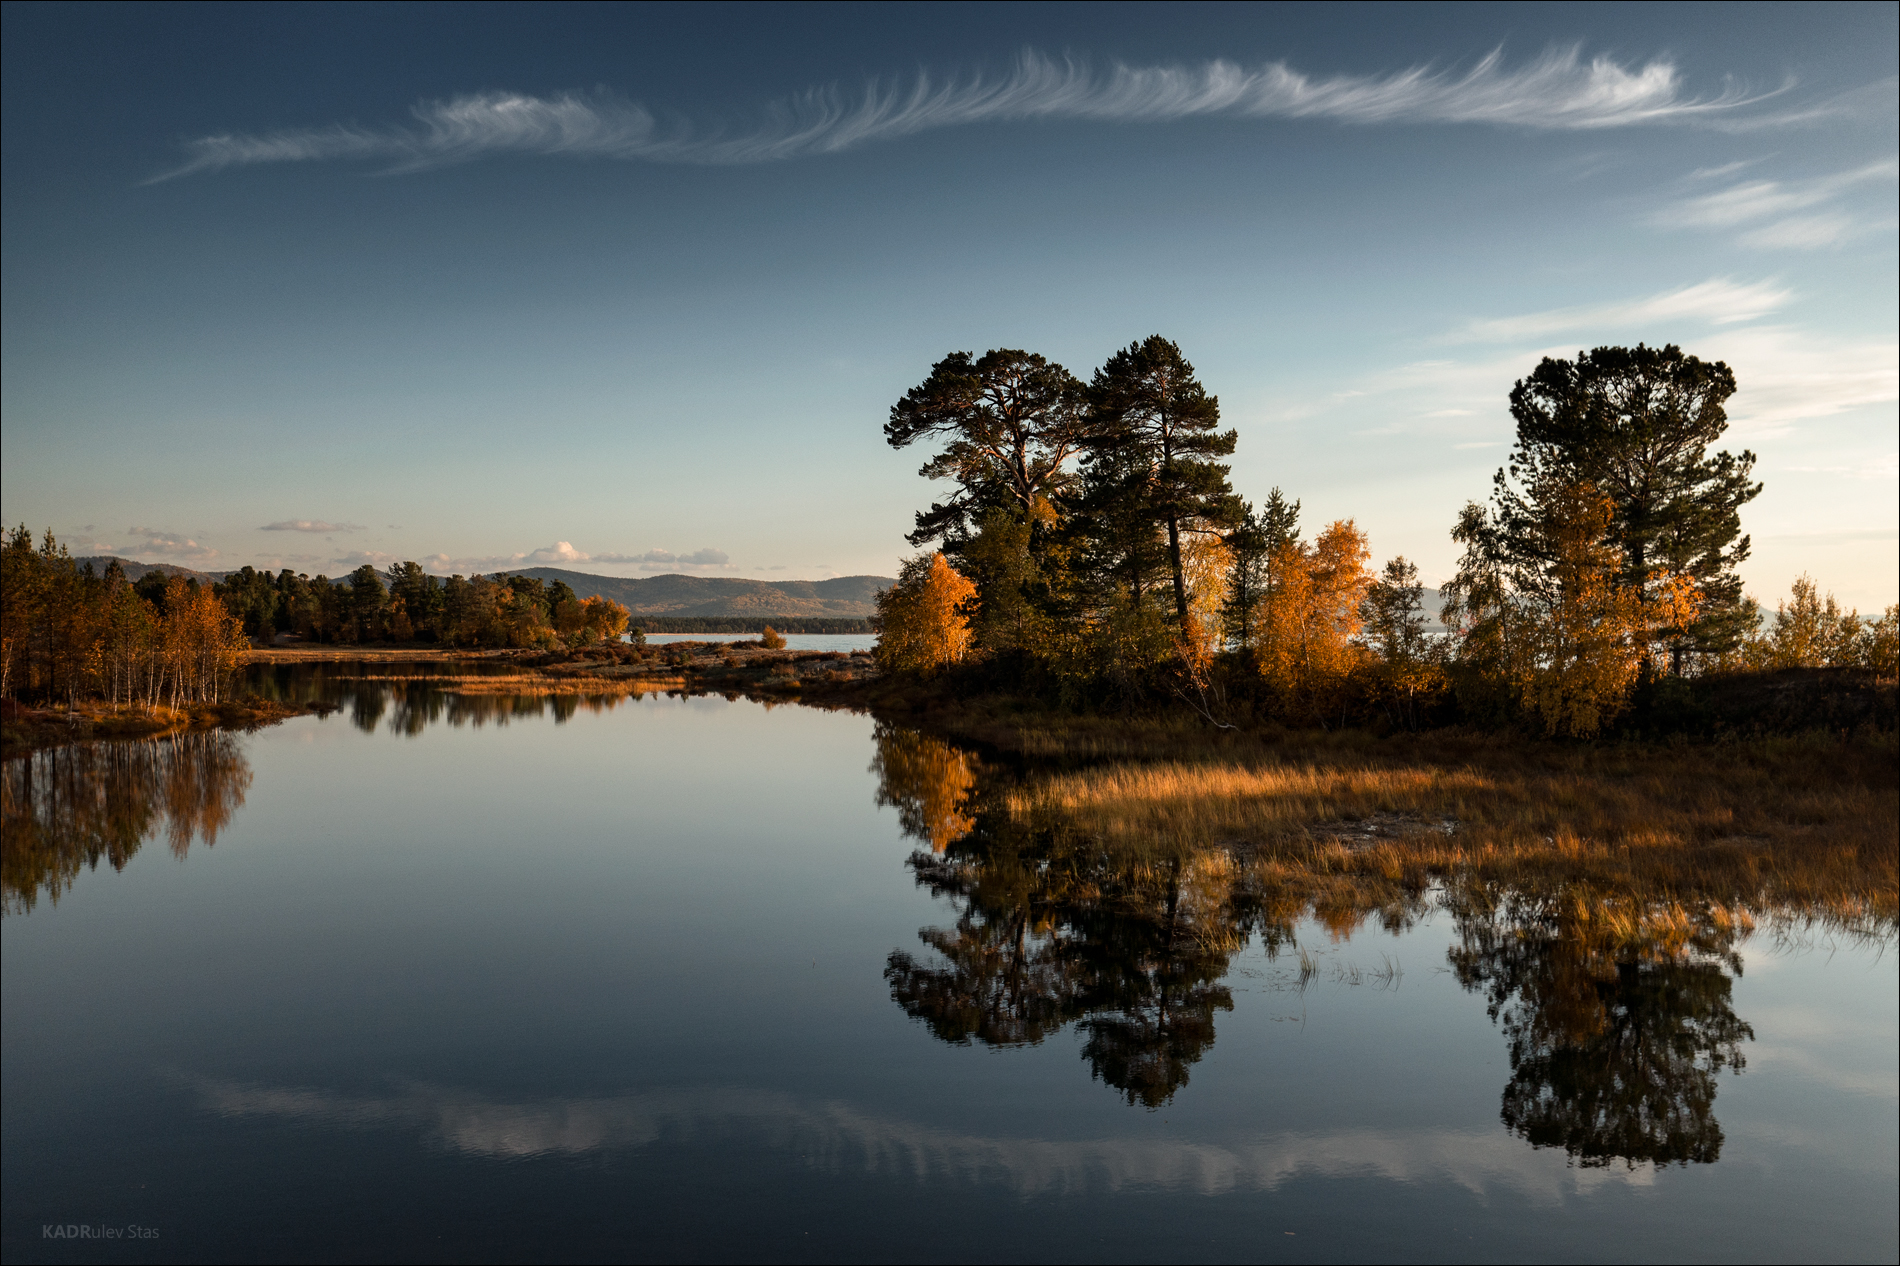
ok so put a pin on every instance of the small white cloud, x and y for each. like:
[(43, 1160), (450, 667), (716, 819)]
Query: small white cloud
[(559, 552), (317, 526), (1785, 375), (564, 553), (169, 544), (359, 558)]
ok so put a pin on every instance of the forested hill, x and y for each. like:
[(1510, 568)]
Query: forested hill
[(845, 597), (133, 571)]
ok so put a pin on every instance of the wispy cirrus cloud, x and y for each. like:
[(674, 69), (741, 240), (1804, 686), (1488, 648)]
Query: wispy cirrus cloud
[(1718, 302), (1789, 214), (1787, 375), (310, 525), (1560, 90)]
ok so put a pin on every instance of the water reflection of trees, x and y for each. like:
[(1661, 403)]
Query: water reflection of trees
[(407, 699), (1615, 1006), (1053, 929), (1616, 1014), (66, 809)]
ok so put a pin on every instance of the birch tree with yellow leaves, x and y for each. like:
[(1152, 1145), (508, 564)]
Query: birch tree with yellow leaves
[(923, 619), (1309, 622)]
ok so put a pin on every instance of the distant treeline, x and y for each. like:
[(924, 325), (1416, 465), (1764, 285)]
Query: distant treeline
[(407, 604), (1093, 552), (735, 624), (69, 632)]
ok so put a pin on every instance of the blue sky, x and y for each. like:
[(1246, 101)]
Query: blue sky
[(633, 288)]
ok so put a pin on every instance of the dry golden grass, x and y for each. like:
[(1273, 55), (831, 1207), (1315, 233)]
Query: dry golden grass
[(538, 686), (1779, 823)]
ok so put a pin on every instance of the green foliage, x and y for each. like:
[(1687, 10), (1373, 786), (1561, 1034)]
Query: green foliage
[(1409, 660), (1637, 423), (1153, 424), (1254, 543), (1008, 420), (1011, 593)]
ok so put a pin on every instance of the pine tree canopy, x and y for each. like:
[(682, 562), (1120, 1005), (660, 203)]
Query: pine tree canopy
[(1010, 419), (1637, 423)]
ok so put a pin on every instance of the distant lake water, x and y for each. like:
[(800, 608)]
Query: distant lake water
[(793, 641), (484, 977)]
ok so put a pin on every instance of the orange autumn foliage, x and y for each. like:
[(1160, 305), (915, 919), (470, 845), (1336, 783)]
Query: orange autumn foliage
[(923, 618), (1307, 639)]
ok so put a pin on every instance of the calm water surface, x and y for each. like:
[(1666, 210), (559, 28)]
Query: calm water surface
[(477, 977), (793, 641)]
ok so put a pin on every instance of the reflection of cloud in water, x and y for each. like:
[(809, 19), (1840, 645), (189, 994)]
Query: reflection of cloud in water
[(833, 1136)]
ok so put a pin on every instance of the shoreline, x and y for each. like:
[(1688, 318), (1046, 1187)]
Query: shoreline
[(1367, 816), (28, 730), (375, 654)]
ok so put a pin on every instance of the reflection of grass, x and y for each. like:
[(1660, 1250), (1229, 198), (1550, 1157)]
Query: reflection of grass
[(28, 729), (541, 686), (1781, 821)]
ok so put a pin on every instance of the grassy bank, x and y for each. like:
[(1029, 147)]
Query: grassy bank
[(24, 729), (329, 653), (1783, 821), (1349, 824)]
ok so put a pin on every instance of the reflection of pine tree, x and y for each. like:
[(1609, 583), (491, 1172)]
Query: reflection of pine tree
[(1001, 985), (1153, 964), (1617, 1017), (1054, 930)]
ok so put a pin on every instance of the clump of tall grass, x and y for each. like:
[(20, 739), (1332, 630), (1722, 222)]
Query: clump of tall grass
[(1789, 822)]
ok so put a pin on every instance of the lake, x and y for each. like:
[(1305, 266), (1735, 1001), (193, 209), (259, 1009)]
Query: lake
[(484, 977), (793, 641)]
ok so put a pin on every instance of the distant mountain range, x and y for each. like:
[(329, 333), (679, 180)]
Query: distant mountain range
[(845, 597), (136, 571)]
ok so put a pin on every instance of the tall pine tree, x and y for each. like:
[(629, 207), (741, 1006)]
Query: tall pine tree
[(1637, 424), (1153, 422)]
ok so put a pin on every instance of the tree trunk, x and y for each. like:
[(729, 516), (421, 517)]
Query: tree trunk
[(1174, 561)]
